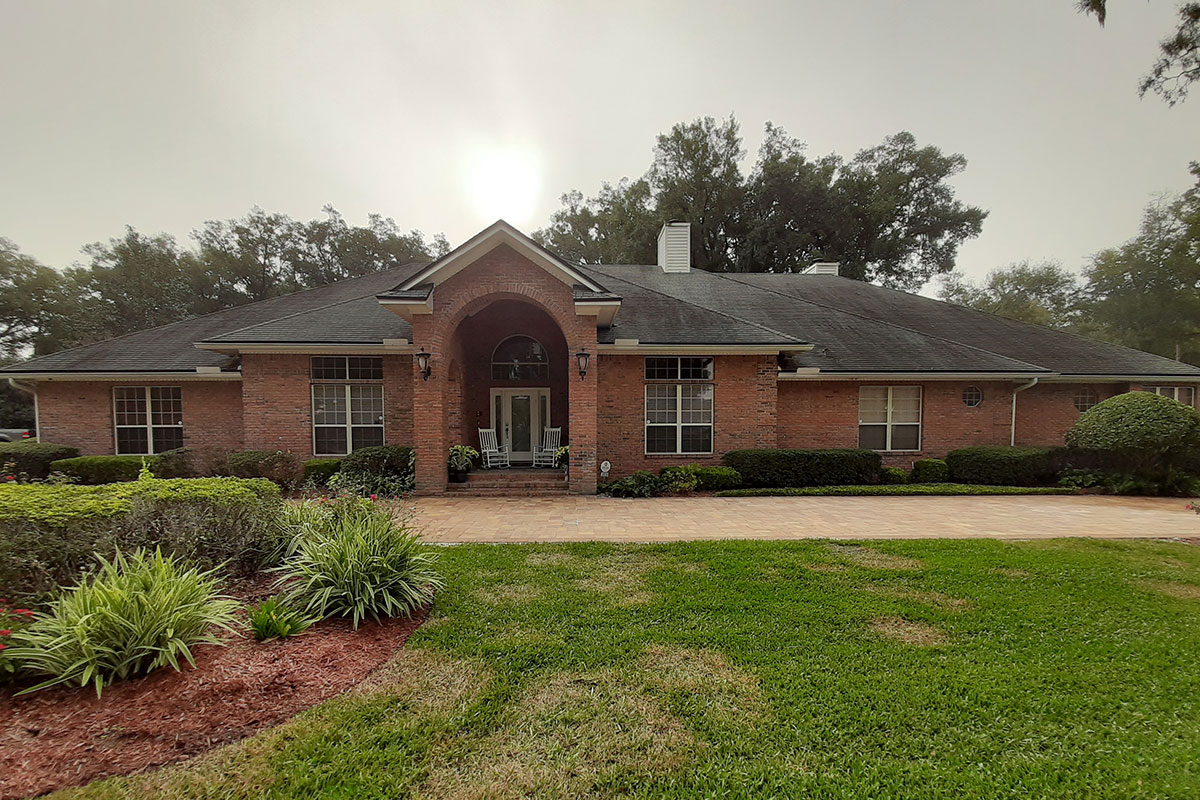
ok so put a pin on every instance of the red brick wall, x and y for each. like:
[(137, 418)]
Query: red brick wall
[(816, 414), (743, 410), (1047, 411), (500, 275), (80, 413), (278, 402)]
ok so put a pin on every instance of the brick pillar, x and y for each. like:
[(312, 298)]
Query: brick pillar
[(766, 402), (583, 402), (429, 420)]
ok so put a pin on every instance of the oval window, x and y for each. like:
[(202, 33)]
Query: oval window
[(520, 358), (971, 396), (1086, 398)]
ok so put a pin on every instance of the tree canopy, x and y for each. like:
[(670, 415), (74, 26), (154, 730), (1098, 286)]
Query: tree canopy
[(1042, 293), (888, 214)]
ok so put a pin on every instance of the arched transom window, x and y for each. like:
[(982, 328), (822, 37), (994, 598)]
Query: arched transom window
[(520, 358)]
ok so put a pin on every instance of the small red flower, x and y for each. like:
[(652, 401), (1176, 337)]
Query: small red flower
[(5, 632), (25, 612), (374, 498), (3, 646), (10, 477)]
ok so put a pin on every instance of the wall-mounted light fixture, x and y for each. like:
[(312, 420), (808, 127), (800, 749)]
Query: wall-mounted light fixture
[(423, 364), (583, 357)]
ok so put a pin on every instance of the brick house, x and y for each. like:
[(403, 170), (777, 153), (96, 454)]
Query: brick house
[(640, 366)]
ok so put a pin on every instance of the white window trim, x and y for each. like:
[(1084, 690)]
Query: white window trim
[(679, 369), (920, 423), (494, 363), (348, 425), (149, 426), (1175, 390), (679, 424)]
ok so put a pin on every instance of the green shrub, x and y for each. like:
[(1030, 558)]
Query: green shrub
[(893, 476), (177, 463), (356, 560), (1170, 484), (707, 479), (134, 615), (642, 483), (772, 468), (276, 466), (318, 471), (1154, 434), (274, 619), (386, 471), (895, 489), (33, 459), (48, 534), (930, 470), (1001, 466), (94, 470), (12, 619)]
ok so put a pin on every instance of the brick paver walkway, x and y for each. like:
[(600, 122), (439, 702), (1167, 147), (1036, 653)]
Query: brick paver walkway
[(573, 519)]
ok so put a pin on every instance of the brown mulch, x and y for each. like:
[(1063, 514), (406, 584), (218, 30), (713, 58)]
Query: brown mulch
[(67, 737)]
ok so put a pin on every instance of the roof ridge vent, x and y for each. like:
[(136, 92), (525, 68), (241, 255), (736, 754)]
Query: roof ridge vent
[(675, 247), (824, 268)]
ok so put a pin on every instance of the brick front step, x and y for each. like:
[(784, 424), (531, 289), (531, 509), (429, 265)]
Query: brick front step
[(524, 482)]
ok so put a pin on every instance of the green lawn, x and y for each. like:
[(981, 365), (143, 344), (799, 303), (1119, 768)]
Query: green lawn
[(921, 669)]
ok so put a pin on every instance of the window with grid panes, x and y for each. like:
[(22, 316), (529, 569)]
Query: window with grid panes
[(347, 415), (1184, 394), (679, 416), (147, 419), (889, 417)]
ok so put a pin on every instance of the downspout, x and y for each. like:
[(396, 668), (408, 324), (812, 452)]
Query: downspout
[(1012, 435), (32, 392)]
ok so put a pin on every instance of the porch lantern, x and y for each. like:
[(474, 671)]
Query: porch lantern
[(583, 356), (423, 363)]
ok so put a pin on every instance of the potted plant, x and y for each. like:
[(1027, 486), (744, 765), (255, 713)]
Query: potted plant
[(461, 458), (562, 457)]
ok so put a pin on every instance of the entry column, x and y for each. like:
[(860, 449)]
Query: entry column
[(584, 401), (429, 402)]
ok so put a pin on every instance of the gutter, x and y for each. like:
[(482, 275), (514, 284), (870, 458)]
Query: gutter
[(1012, 435)]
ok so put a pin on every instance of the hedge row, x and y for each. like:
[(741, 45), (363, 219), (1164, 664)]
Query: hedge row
[(785, 468), (33, 459), (49, 533), (895, 489)]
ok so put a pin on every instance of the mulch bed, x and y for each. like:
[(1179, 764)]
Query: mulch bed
[(67, 737)]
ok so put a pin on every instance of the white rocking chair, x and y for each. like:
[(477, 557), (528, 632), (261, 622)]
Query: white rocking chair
[(492, 454), (544, 456)]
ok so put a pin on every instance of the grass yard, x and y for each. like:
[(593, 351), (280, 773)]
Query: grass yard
[(916, 669)]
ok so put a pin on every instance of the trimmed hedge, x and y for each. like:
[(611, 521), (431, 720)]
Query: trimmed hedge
[(930, 470), (1152, 433), (275, 465), (789, 468), (387, 470), (93, 470), (893, 476), (318, 471), (34, 458), (50, 534), (896, 489), (177, 463), (708, 479), (1001, 466)]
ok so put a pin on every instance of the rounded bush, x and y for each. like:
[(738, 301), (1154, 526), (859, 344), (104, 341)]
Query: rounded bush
[(893, 476), (930, 470), (96, 470), (1153, 431), (318, 471)]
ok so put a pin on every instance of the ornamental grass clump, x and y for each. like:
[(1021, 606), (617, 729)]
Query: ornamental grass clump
[(354, 559), (273, 618), (135, 614)]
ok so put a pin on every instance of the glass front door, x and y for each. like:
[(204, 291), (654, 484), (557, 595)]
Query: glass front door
[(519, 417)]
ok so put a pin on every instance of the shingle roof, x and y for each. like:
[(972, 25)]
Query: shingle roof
[(853, 326)]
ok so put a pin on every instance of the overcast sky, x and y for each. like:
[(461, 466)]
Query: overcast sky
[(161, 115)]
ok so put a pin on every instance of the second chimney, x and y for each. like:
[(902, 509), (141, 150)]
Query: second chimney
[(675, 247)]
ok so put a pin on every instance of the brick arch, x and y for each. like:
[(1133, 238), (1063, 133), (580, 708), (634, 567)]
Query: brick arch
[(446, 321)]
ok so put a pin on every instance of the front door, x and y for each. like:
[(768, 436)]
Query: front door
[(519, 417)]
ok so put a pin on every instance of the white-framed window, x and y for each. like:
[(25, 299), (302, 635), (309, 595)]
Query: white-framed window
[(520, 358), (1085, 399), (889, 418), (679, 418), (679, 368), (1184, 394), (972, 396), (147, 419), (347, 410)]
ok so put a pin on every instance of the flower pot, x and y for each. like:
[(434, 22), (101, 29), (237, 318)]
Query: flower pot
[(457, 476)]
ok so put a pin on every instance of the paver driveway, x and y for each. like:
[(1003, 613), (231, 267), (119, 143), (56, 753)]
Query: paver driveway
[(561, 519)]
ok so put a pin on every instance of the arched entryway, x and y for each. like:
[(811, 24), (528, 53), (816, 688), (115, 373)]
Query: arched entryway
[(509, 373)]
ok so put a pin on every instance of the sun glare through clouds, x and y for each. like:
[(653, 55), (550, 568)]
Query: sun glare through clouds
[(503, 183)]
